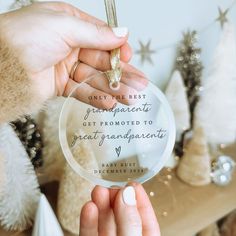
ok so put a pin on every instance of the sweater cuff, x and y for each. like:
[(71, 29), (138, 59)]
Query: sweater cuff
[(19, 95)]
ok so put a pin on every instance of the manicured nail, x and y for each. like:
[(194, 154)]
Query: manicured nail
[(129, 196), (120, 31)]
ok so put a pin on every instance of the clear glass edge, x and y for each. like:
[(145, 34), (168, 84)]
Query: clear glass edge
[(110, 184)]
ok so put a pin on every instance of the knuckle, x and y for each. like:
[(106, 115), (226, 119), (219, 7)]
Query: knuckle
[(134, 220), (101, 29), (103, 61), (103, 32)]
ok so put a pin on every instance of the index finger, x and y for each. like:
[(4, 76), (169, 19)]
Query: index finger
[(148, 216), (72, 11)]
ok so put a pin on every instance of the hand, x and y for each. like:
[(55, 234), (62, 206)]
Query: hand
[(49, 38), (125, 212)]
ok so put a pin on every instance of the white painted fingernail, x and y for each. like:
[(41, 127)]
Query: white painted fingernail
[(120, 31), (129, 197)]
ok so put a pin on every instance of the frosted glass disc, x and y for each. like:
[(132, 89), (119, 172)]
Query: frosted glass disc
[(114, 137)]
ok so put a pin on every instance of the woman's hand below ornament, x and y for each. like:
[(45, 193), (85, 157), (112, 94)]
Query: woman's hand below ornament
[(124, 212)]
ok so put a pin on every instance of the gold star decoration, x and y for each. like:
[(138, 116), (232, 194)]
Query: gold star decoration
[(145, 52), (222, 18)]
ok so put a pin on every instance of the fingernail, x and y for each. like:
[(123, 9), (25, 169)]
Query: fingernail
[(120, 31), (129, 196)]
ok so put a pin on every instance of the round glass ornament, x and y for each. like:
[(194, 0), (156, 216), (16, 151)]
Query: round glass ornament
[(115, 136)]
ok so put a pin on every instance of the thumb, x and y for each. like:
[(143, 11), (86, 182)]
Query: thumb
[(126, 213), (79, 33)]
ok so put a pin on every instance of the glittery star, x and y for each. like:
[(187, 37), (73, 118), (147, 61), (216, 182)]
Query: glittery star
[(145, 52), (222, 18)]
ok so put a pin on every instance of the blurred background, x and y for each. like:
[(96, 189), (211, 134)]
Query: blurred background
[(195, 194)]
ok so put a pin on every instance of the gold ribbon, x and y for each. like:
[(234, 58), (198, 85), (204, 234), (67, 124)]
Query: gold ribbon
[(114, 75)]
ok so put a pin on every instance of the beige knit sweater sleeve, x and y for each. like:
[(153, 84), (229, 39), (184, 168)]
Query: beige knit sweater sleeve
[(18, 94)]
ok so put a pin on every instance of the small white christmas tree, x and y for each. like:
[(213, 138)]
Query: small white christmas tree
[(75, 190), (19, 192), (46, 223), (194, 167), (216, 111), (177, 97)]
